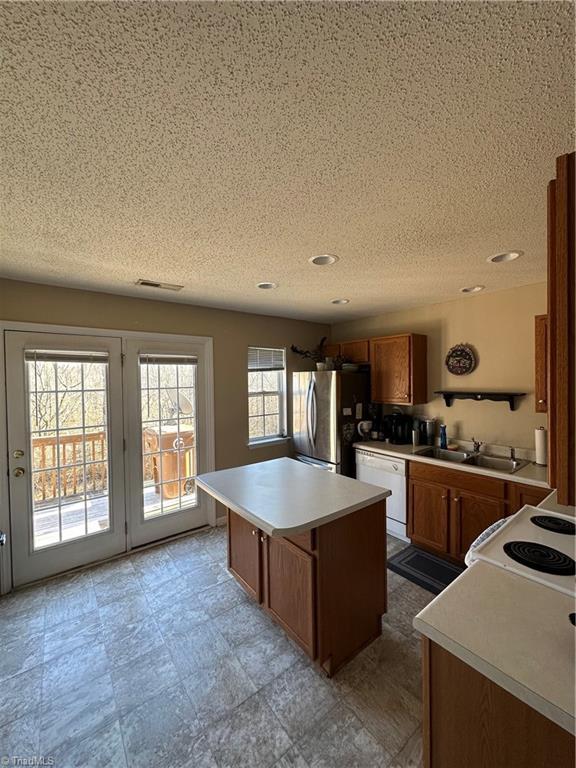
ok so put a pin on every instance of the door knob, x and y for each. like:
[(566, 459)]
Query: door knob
[(19, 471), (18, 454)]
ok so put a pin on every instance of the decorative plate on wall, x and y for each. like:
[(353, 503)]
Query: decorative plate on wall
[(461, 360)]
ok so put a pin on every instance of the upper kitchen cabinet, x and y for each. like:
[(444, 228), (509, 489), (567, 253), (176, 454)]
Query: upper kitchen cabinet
[(561, 341), (399, 369), (332, 350), (541, 363), (356, 351)]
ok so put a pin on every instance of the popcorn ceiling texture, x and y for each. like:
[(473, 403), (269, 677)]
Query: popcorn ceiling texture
[(222, 144)]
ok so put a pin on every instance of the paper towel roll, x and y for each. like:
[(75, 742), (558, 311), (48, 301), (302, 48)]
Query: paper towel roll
[(541, 445)]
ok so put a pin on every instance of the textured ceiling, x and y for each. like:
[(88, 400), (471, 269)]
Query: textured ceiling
[(220, 144)]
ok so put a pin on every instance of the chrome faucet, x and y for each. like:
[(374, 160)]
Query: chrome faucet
[(512, 453), (477, 445)]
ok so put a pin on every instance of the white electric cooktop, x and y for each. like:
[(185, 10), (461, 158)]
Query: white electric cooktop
[(537, 544)]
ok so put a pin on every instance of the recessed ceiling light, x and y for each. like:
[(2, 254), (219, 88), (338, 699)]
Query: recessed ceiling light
[(324, 260), (266, 286), (499, 258), (473, 289), (339, 301)]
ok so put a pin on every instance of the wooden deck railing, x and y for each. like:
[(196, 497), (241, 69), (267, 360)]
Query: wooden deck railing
[(75, 477), (89, 474)]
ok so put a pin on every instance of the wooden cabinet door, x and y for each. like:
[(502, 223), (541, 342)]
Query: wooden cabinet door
[(290, 590), (520, 495), (541, 363), (561, 346), (332, 350), (390, 369), (428, 515), (470, 514), (355, 351), (244, 554)]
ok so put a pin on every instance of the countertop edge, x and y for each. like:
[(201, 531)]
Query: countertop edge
[(515, 477), (497, 676), (270, 530)]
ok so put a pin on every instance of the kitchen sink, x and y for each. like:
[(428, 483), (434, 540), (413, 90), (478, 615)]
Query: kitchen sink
[(495, 462), (458, 457)]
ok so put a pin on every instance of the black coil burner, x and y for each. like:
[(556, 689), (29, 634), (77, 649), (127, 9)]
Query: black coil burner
[(540, 557), (554, 524)]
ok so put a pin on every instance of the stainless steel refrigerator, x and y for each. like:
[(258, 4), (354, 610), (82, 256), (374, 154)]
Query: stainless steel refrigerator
[(326, 407)]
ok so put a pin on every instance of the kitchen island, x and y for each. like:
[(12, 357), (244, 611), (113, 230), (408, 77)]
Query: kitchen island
[(310, 546)]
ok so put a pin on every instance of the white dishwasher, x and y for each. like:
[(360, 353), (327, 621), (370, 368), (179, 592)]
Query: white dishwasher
[(386, 472)]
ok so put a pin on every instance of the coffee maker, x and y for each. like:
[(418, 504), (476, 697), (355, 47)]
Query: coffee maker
[(397, 427)]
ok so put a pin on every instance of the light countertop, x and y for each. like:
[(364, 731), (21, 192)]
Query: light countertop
[(531, 474), (514, 631), (283, 496)]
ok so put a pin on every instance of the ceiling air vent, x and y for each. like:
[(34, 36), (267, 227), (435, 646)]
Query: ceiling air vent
[(164, 286)]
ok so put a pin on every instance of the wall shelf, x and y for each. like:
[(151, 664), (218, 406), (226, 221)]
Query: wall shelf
[(505, 397)]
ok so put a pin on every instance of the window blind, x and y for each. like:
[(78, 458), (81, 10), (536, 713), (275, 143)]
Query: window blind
[(63, 356), (262, 359), (167, 359)]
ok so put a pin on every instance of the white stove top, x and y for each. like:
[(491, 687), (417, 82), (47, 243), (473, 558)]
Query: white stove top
[(520, 528)]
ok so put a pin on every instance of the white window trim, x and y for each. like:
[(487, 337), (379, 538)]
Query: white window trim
[(265, 442), (7, 325), (284, 437)]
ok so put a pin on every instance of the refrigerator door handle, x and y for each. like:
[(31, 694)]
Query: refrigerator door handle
[(314, 414), (308, 421)]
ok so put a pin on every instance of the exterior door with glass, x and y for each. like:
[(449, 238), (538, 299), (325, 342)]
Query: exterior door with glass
[(66, 458), (167, 391)]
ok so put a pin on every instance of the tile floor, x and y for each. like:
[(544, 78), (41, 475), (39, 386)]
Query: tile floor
[(159, 659)]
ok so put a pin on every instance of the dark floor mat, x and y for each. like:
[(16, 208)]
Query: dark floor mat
[(426, 570)]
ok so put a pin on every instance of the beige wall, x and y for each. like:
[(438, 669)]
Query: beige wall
[(232, 332), (500, 326)]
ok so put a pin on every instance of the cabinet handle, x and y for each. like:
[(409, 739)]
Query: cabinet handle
[(254, 531), (444, 498), (457, 498), (541, 401), (262, 538)]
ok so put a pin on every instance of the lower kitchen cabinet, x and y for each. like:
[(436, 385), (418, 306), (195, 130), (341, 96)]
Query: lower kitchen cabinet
[(326, 587), (292, 608), (469, 516), (448, 509), (428, 518), (520, 495), (245, 554), (469, 721)]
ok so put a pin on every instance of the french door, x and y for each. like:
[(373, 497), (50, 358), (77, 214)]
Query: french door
[(165, 431), (105, 437)]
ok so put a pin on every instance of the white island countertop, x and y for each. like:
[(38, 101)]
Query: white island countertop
[(283, 497)]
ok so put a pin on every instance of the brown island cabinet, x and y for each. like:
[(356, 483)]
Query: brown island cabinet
[(310, 547)]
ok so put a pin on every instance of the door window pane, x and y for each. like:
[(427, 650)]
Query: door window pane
[(69, 445), (168, 412)]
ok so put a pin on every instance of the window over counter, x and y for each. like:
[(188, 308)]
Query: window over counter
[(266, 394)]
